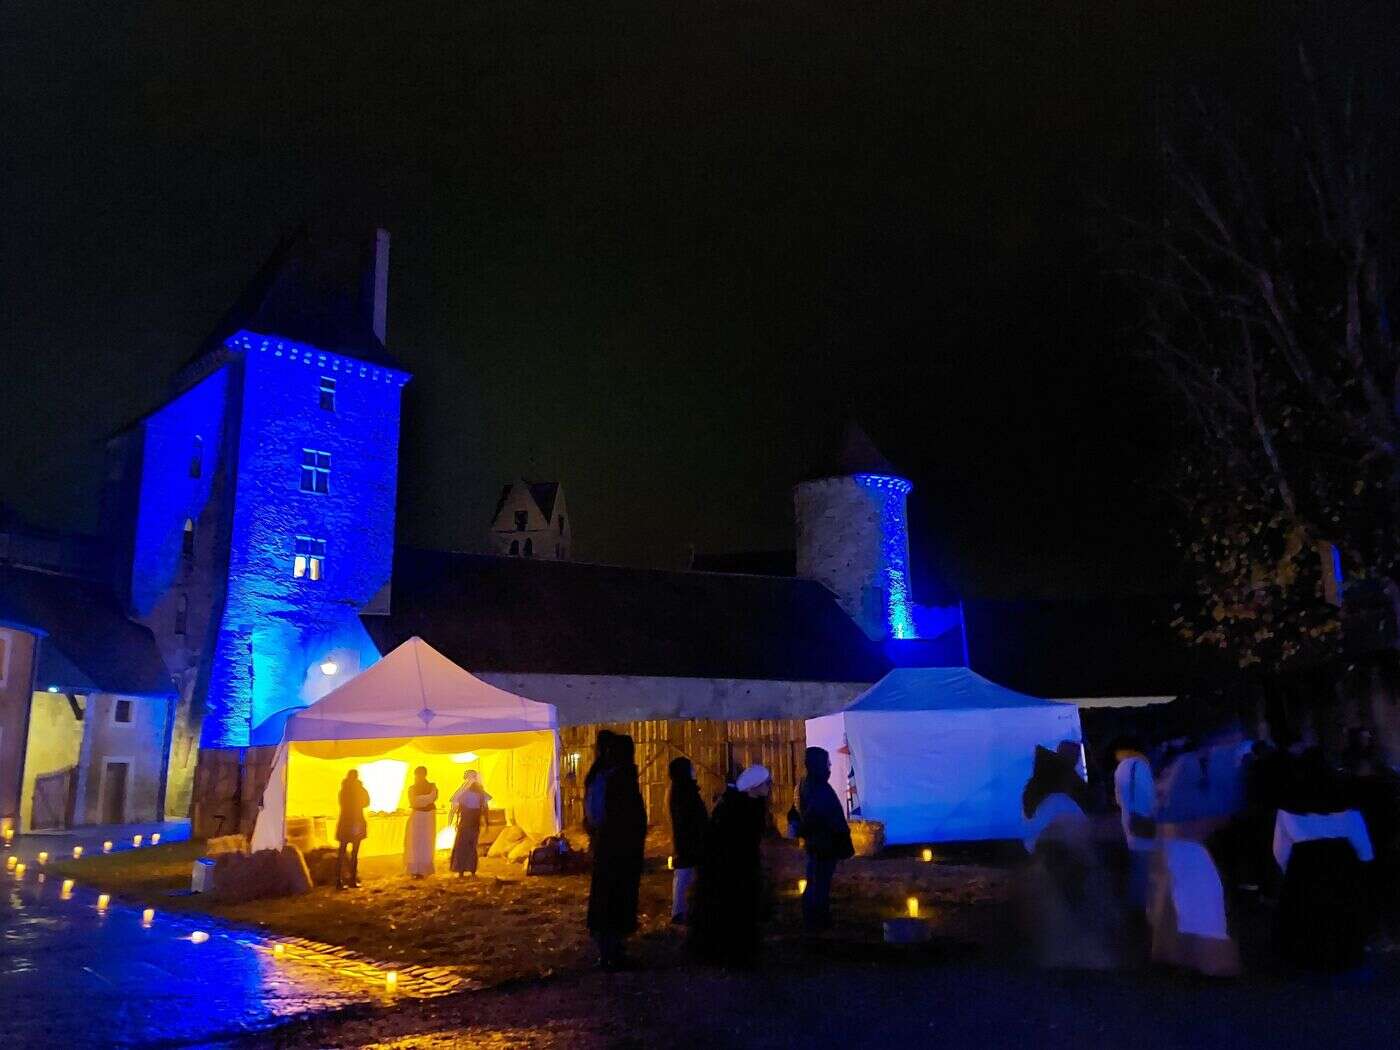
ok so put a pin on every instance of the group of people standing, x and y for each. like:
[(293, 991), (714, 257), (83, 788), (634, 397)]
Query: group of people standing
[(1285, 834), (469, 805), (718, 888)]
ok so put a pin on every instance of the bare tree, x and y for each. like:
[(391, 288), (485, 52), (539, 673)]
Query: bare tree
[(1263, 285)]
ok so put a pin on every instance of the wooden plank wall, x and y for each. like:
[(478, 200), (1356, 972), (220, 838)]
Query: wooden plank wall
[(717, 750)]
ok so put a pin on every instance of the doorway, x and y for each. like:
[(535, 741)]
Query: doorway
[(114, 777)]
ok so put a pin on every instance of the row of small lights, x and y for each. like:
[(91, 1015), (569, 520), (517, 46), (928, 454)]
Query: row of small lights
[(148, 916), (911, 904)]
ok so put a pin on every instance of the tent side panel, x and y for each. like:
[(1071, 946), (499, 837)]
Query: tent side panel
[(949, 776)]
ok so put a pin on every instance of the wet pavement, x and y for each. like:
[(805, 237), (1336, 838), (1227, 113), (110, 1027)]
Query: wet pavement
[(72, 974)]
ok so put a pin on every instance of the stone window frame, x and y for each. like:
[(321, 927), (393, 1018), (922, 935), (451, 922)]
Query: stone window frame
[(315, 472), (117, 702), (309, 559)]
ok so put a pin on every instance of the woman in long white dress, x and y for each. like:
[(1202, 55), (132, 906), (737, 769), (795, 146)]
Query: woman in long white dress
[(420, 837)]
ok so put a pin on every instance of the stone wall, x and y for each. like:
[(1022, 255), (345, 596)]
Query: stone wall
[(852, 537), (139, 742), (16, 685)]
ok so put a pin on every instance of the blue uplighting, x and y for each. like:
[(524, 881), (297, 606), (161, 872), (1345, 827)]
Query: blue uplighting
[(894, 551)]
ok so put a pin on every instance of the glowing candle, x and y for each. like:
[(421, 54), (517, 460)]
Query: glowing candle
[(155, 839), (10, 862), (801, 886), (43, 857), (67, 888), (107, 846), (77, 852), (148, 916), (198, 937), (19, 871), (670, 863), (103, 899), (391, 979), (927, 855), (9, 835), (136, 840), (913, 905), (279, 950), (41, 877)]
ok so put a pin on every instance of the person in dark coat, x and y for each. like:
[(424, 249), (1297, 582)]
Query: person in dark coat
[(821, 824), (688, 819), (350, 827), (618, 828), (730, 895)]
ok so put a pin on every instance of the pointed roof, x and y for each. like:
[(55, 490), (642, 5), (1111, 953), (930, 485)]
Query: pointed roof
[(853, 453), (416, 691), (318, 291), (544, 493)]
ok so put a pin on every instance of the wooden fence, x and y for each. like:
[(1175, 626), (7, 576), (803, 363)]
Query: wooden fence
[(717, 750)]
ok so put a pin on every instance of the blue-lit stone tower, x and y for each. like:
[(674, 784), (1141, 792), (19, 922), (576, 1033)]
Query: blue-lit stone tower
[(853, 536), (257, 504)]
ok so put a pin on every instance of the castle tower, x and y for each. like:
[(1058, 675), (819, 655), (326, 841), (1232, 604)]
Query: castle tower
[(258, 502), (853, 536)]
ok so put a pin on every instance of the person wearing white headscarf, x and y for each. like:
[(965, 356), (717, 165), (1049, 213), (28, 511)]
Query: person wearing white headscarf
[(730, 895), (469, 809)]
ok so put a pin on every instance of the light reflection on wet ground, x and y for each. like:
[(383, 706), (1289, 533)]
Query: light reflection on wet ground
[(71, 975)]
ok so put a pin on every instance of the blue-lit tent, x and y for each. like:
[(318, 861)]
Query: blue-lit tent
[(940, 754)]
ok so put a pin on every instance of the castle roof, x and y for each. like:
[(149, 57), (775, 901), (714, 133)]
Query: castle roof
[(318, 291), (853, 453), (87, 643), (544, 493), (488, 613)]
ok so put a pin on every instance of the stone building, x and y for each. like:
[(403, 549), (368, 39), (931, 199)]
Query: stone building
[(532, 521)]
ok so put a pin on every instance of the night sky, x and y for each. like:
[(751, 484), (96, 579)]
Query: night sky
[(654, 249)]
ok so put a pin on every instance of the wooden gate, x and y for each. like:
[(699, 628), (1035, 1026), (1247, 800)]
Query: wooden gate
[(53, 800)]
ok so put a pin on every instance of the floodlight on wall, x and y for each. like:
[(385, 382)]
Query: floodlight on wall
[(464, 757), (384, 782), (329, 667)]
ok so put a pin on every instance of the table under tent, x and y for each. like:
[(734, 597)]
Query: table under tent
[(413, 708), (939, 754)]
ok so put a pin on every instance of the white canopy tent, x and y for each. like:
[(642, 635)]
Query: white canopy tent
[(414, 707), (940, 754)]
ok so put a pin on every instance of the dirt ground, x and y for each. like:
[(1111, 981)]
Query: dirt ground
[(502, 926)]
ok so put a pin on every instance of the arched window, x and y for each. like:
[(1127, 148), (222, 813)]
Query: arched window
[(529, 547), (197, 457), (187, 541), (514, 548)]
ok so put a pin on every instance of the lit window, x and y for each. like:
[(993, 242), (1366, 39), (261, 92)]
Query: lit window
[(522, 519), (529, 548), (187, 540), (121, 712), (310, 558), (197, 457), (182, 613), (328, 393), (315, 471)]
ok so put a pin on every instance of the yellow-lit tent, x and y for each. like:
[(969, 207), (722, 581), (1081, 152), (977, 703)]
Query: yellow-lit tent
[(413, 708)]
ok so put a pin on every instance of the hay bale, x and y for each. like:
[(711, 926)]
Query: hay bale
[(252, 876), (226, 844), (321, 863), (506, 841), (520, 852)]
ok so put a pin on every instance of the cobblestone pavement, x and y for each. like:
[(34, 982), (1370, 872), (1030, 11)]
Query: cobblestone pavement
[(74, 975)]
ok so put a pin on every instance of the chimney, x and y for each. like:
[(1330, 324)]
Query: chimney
[(381, 282)]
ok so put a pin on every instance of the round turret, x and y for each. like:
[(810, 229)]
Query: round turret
[(853, 536)]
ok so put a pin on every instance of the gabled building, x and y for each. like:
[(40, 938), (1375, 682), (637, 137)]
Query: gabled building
[(531, 521)]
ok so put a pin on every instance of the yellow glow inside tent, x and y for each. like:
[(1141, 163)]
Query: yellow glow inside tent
[(516, 771), (384, 782)]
